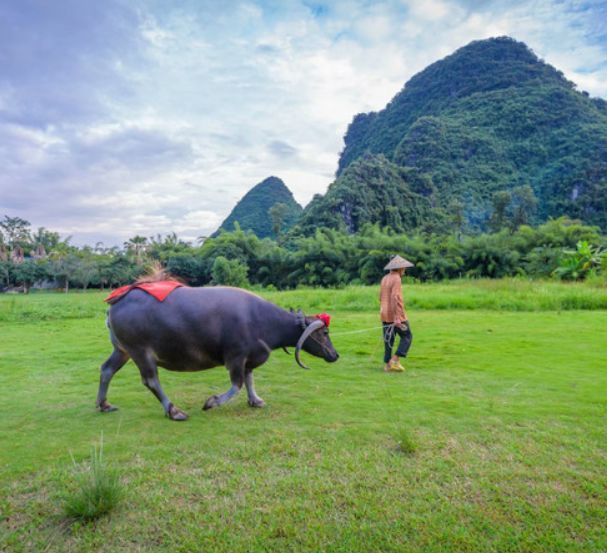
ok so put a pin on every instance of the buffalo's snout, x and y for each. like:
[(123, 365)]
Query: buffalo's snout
[(331, 356)]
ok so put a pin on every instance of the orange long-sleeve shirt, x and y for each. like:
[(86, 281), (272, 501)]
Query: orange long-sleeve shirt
[(392, 307)]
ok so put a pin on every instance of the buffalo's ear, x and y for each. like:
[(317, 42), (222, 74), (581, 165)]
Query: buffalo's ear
[(301, 318)]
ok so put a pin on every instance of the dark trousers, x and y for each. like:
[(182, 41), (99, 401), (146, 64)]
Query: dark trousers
[(390, 333)]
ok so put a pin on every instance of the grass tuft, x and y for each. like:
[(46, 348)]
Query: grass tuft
[(405, 444), (98, 489)]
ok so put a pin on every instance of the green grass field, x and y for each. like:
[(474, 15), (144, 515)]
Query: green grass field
[(503, 402)]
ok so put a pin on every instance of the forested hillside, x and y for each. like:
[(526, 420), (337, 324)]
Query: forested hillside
[(268, 209), (489, 128), (373, 190)]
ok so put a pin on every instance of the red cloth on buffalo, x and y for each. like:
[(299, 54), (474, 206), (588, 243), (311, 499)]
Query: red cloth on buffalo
[(160, 290)]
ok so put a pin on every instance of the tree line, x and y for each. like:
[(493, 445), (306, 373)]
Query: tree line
[(560, 248)]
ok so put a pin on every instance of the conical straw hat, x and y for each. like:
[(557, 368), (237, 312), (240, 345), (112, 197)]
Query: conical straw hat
[(398, 262)]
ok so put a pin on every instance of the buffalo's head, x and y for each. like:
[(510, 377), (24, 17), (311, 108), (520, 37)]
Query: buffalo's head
[(315, 338)]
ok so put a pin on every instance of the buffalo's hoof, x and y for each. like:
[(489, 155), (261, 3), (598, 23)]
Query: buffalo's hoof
[(105, 407), (176, 414), (213, 401), (258, 403)]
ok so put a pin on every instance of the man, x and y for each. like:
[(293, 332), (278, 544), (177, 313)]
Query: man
[(393, 316)]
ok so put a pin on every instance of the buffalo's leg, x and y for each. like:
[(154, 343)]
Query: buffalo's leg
[(113, 364), (236, 368), (254, 399), (149, 377)]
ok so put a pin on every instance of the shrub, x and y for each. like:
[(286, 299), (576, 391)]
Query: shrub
[(577, 264), (229, 272), (98, 489)]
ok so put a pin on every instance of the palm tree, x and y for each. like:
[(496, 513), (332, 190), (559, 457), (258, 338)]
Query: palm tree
[(137, 246)]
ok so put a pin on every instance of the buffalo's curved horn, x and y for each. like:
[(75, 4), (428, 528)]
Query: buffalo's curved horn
[(286, 351), (306, 334)]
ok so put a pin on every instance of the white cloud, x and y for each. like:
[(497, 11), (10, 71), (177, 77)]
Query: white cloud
[(431, 10)]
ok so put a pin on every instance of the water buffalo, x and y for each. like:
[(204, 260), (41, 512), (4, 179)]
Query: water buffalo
[(195, 329)]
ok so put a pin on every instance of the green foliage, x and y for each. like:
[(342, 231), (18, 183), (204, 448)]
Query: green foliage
[(277, 214), (371, 191), (524, 206), (117, 270), (257, 210), (191, 268), (5, 273), (577, 264), (239, 244), (512, 209), (499, 217), (87, 270), (98, 489), (489, 256), (28, 272), (327, 259), (49, 240), (229, 272), (62, 267), (163, 248)]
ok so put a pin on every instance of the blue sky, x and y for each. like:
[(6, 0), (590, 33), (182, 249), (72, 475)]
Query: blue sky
[(143, 116)]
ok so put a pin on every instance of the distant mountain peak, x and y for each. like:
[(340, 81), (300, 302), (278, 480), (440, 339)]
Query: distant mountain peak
[(253, 211), (479, 67), (272, 181)]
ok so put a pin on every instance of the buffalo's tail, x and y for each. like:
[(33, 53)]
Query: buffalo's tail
[(156, 273)]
